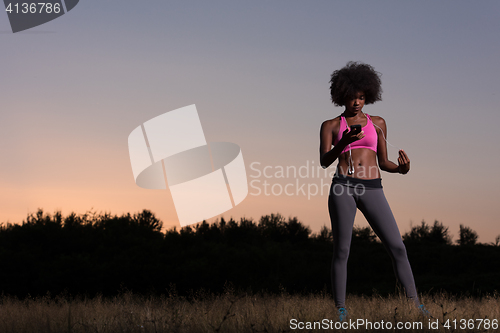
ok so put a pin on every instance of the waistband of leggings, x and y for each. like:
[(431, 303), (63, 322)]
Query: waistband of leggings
[(352, 182)]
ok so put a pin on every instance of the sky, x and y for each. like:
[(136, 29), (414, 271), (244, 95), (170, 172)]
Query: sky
[(73, 89)]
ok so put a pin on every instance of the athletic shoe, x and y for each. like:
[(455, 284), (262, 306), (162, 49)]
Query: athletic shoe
[(342, 314), (423, 310)]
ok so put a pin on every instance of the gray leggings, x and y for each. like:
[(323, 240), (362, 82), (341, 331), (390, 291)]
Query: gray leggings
[(342, 204)]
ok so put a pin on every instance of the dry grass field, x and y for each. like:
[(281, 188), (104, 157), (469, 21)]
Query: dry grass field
[(230, 312)]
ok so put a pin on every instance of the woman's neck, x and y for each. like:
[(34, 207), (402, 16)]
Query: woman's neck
[(353, 115)]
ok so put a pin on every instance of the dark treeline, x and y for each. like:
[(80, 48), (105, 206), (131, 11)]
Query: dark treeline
[(103, 254)]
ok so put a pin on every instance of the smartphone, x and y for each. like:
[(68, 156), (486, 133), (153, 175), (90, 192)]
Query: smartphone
[(356, 128)]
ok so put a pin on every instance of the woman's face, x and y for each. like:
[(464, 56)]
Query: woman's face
[(355, 104)]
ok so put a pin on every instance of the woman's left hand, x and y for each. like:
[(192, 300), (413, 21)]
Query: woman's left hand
[(404, 162)]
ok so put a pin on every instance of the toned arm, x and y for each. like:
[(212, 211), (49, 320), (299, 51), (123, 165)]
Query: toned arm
[(327, 155), (383, 161)]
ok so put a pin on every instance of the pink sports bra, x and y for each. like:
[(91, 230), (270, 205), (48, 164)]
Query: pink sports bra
[(369, 141)]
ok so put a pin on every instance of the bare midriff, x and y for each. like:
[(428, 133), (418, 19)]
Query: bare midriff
[(364, 161)]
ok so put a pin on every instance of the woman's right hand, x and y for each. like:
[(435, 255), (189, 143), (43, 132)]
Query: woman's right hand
[(349, 137)]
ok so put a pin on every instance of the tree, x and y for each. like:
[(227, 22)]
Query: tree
[(424, 233), (324, 235), (497, 241), (467, 236), (365, 235)]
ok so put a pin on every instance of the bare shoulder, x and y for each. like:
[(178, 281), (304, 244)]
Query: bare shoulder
[(331, 124), (379, 121), (331, 127)]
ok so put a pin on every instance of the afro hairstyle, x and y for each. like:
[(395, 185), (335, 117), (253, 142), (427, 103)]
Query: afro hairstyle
[(353, 78)]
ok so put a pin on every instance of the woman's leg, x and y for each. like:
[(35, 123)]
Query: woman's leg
[(342, 208), (377, 212)]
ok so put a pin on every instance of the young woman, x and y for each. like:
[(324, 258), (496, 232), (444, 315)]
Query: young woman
[(361, 151)]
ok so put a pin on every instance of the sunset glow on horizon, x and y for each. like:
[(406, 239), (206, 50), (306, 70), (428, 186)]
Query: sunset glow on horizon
[(73, 89)]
